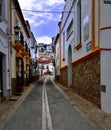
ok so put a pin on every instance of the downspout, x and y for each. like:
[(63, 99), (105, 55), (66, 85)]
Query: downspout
[(10, 45)]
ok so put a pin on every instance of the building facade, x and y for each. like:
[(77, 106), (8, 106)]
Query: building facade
[(56, 51), (19, 48), (86, 50), (5, 85), (45, 59), (34, 56)]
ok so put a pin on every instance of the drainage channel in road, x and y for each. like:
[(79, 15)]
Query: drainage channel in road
[(46, 117)]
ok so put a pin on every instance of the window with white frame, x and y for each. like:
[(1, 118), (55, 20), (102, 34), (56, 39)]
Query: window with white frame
[(70, 29), (79, 22)]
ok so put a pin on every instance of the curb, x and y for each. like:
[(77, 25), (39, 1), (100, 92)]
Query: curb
[(95, 117), (8, 109)]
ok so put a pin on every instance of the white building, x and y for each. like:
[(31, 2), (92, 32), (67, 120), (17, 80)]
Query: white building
[(49, 48), (19, 48), (5, 85), (56, 51), (86, 50)]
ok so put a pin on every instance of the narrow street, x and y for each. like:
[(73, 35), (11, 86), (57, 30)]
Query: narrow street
[(45, 108)]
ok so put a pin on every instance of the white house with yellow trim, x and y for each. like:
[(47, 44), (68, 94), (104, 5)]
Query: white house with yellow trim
[(19, 48), (4, 50), (85, 32)]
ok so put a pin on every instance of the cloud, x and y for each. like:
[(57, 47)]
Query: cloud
[(33, 7), (27, 4), (38, 19), (44, 39), (38, 4)]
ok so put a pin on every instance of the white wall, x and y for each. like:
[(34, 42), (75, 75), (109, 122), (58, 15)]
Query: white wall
[(85, 18), (66, 20), (13, 64), (105, 14), (106, 80), (57, 59), (105, 43), (4, 49)]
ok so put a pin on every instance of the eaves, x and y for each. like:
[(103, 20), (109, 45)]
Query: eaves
[(19, 12)]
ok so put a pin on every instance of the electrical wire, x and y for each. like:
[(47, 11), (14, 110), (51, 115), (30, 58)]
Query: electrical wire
[(53, 12), (38, 11)]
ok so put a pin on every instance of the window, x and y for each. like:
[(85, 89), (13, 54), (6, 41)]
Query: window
[(2, 8), (79, 22), (64, 44), (19, 38), (70, 29)]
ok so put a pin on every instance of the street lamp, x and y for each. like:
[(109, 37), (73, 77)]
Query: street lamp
[(107, 1), (16, 29)]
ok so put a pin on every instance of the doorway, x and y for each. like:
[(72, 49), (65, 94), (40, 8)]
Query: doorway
[(1, 75), (20, 74), (69, 66)]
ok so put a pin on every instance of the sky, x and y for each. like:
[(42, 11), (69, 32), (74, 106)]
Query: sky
[(43, 17)]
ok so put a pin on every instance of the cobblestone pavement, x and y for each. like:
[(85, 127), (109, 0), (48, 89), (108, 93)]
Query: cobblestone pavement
[(94, 116)]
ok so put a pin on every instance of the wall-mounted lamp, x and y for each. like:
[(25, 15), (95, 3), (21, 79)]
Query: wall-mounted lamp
[(107, 1), (16, 29)]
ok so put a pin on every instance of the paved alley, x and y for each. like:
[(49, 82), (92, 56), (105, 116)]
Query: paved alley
[(45, 108)]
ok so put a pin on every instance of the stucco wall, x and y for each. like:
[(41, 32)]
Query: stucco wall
[(106, 81), (4, 50)]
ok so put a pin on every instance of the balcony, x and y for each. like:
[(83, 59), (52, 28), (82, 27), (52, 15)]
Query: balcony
[(26, 51), (19, 41)]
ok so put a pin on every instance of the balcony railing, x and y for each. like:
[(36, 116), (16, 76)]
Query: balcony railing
[(19, 39)]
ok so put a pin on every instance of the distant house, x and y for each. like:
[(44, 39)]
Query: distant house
[(49, 48), (45, 58), (85, 42), (56, 51), (33, 48)]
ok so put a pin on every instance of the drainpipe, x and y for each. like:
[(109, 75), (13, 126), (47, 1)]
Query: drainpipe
[(9, 76)]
